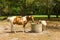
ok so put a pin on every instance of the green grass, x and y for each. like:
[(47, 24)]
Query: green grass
[(36, 16), (1, 17), (45, 16), (53, 16), (40, 15)]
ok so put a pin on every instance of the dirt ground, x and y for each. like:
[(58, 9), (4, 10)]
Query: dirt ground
[(52, 32)]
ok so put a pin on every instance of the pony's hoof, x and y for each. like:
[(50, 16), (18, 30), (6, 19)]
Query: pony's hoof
[(24, 31), (15, 32)]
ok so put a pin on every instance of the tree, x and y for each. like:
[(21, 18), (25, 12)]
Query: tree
[(56, 7)]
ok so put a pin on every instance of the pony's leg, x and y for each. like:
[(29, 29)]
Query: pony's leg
[(11, 27), (14, 28), (24, 27)]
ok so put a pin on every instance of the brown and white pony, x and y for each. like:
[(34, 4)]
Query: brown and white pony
[(19, 20)]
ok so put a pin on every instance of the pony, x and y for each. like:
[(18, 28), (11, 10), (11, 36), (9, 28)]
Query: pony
[(44, 24), (22, 20)]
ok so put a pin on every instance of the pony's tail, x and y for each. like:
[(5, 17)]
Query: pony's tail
[(4, 18)]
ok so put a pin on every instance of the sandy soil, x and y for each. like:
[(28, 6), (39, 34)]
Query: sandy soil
[(51, 33)]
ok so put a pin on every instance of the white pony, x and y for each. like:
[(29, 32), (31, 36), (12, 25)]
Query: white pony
[(44, 23)]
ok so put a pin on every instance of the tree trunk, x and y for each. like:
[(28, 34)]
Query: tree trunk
[(48, 16), (56, 16)]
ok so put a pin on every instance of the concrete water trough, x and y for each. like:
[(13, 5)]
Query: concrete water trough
[(36, 27)]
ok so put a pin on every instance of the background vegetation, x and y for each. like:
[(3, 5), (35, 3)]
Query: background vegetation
[(29, 7)]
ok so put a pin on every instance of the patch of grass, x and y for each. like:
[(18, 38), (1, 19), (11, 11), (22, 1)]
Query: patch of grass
[(36, 16), (52, 15), (1, 17), (40, 15)]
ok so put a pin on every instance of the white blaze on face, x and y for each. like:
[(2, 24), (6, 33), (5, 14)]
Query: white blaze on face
[(44, 22), (12, 18), (24, 18)]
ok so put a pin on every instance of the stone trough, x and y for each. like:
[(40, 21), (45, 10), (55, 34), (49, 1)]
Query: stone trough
[(36, 27)]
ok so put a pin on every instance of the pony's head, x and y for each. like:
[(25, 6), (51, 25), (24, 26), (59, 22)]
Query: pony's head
[(30, 18)]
